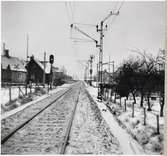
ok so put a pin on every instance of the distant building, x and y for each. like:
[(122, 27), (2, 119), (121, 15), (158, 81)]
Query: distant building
[(12, 69), (35, 70), (106, 76)]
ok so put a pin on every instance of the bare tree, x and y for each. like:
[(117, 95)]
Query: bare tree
[(161, 76), (148, 80)]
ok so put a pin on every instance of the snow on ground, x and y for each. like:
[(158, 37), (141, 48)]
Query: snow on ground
[(90, 133), (127, 143), (14, 93), (145, 135), (46, 132), (34, 99)]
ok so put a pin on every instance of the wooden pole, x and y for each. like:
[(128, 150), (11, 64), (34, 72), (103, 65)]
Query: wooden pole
[(27, 38), (44, 69), (19, 92), (115, 98), (110, 95), (30, 87), (125, 104), (120, 101), (133, 110), (51, 77), (144, 116), (26, 89), (10, 98), (157, 116)]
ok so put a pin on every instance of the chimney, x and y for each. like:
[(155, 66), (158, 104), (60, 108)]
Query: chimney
[(32, 57), (6, 53), (3, 47)]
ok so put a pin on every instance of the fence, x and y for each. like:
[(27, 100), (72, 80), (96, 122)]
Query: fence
[(11, 93), (129, 105)]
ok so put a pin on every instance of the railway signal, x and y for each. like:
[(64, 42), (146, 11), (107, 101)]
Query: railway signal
[(51, 61), (91, 69)]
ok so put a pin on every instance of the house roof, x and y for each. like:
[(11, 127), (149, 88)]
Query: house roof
[(15, 63), (47, 66)]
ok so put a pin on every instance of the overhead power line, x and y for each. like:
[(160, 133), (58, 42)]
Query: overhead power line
[(67, 12), (115, 7), (121, 5), (114, 18), (85, 24), (82, 32), (82, 41), (72, 11)]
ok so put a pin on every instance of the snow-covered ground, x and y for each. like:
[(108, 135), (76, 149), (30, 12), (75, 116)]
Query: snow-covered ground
[(134, 137), (6, 111), (14, 93), (90, 133), (146, 135), (45, 133)]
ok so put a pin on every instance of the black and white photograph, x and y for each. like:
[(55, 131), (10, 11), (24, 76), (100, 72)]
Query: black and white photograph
[(82, 77)]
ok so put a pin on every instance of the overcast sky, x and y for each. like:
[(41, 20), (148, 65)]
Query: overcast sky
[(139, 24)]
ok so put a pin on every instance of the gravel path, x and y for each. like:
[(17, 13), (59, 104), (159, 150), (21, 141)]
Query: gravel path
[(45, 133), (90, 133)]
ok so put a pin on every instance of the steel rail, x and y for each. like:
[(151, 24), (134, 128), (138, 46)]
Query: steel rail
[(66, 138)]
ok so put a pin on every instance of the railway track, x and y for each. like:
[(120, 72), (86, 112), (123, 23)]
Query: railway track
[(12, 122), (46, 131)]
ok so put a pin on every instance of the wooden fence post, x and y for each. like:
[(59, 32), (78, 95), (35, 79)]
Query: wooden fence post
[(120, 102), (30, 87), (10, 94), (125, 104), (144, 115), (133, 112), (115, 97), (19, 92), (26, 89), (157, 117), (48, 88), (109, 95)]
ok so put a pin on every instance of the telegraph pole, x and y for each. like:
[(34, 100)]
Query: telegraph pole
[(27, 49), (113, 69), (3, 48), (85, 74), (109, 65), (91, 70), (97, 77), (101, 30), (44, 69), (109, 69), (100, 60)]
